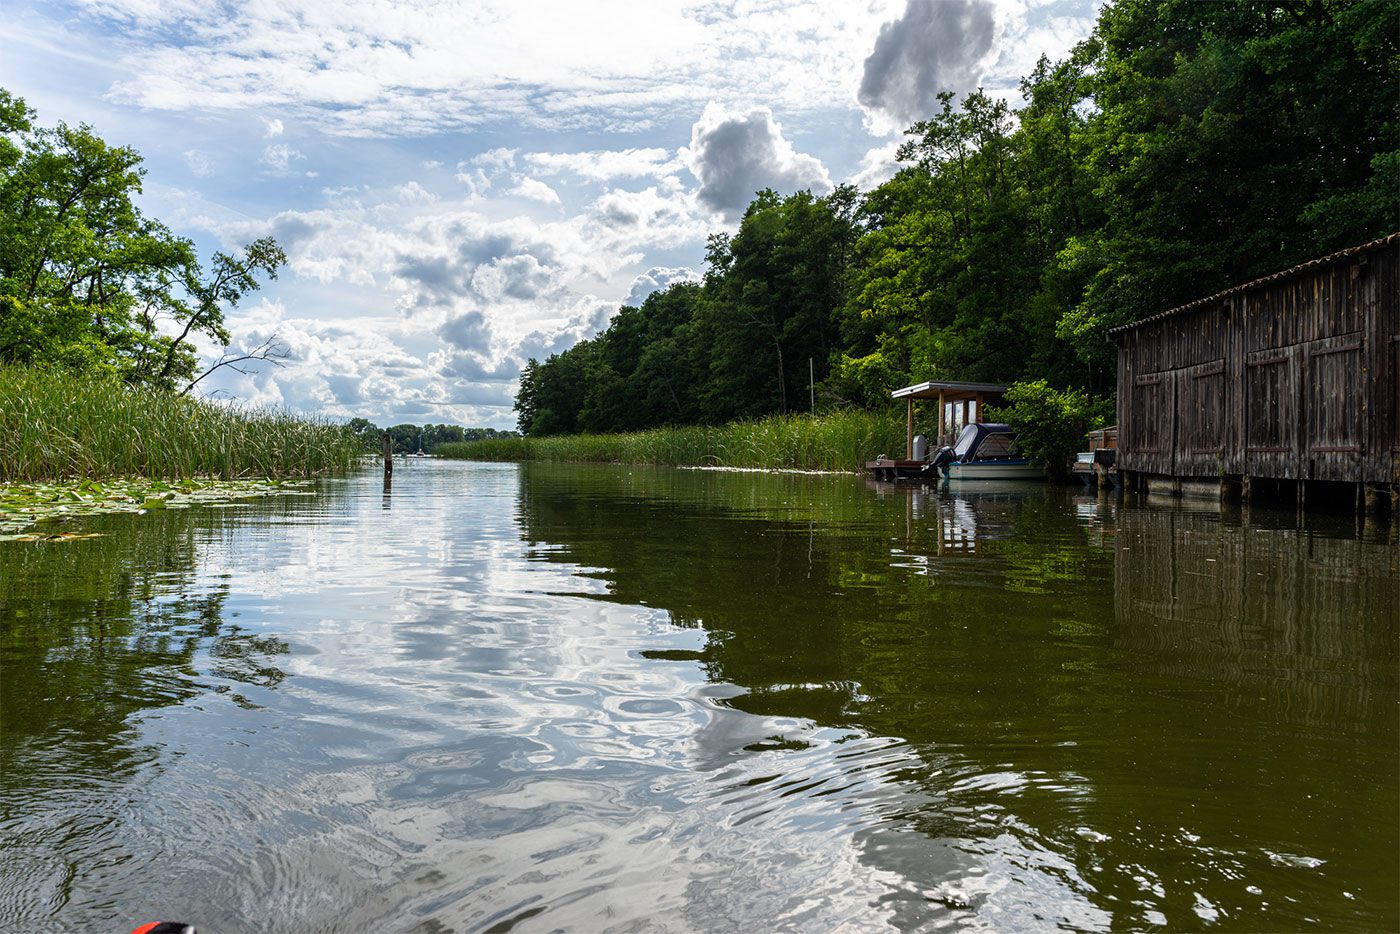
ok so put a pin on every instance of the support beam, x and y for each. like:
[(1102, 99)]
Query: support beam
[(909, 424), (942, 412)]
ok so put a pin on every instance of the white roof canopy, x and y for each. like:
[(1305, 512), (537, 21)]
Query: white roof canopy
[(951, 392)]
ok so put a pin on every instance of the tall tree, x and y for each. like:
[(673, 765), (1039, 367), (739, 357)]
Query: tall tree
[(88, 281)]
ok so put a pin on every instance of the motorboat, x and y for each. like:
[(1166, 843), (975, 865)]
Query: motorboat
[(984, 451)]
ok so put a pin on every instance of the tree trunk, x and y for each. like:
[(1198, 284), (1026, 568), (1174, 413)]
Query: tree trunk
[(782, 377)]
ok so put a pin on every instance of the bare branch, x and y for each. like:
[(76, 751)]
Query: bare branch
[(271, 351)]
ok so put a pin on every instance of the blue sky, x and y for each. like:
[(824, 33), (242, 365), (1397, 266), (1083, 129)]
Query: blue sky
[(460, 186)]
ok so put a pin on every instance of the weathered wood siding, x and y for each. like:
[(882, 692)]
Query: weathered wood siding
[(1294, 376)]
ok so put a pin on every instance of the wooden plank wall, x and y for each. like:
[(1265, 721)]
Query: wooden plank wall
[(1297, 377)]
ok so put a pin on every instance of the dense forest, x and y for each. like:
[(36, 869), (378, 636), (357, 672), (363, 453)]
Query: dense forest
[(1182, 148)]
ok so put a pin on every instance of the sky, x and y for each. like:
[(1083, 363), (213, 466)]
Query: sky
[(462, 186)]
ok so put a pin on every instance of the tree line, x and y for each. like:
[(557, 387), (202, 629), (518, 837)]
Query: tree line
[(410, 439), (1182, 148)]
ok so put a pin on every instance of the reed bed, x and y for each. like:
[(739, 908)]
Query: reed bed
[(839, 441), (56, 425)]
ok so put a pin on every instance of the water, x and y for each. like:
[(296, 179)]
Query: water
[(616, 698)]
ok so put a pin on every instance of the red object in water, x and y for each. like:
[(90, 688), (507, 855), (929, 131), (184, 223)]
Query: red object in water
[(165, 927)]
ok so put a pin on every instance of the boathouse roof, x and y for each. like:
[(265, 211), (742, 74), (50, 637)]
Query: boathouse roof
[(1113, 333), (952, 392)]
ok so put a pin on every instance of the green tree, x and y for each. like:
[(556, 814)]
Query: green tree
[(1230, 140), (1051, 423), (368, 433), (89, 282)]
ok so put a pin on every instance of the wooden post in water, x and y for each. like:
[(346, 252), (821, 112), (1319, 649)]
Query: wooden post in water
[(388, 446)]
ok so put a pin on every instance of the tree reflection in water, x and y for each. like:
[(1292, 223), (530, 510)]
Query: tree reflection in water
[(1151, 703), (97, 637)]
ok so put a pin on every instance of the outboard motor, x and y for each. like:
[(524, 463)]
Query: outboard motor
[(920, 448), (941, 459)]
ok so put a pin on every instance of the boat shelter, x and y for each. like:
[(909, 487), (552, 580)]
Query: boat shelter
[(958, 404), (1292, 379)]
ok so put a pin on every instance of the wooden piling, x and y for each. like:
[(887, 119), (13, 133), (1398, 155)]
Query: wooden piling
[(388, 447)]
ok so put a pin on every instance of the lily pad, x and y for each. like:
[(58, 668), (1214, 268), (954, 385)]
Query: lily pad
[(25, 505)]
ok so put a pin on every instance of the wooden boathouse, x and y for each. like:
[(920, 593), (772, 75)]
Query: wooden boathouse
[(1290, 380)]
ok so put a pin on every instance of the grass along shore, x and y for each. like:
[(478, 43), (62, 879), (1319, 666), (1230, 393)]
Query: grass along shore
[(838, 441), (55, 425)]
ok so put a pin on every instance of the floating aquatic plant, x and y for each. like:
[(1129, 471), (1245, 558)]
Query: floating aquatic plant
[(36, 511)]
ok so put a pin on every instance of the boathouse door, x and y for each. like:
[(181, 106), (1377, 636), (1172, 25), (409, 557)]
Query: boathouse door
[(1333, 394), (1200, 419)]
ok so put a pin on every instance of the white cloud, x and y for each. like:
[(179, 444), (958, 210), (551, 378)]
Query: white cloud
[(279, 157), (535, 190), (272, 128), (379, 68), (500, 159), (480, 172), (735, 154), (414, 193), (877, 165), (652, 218), (655, 279), (200, 166), (605, 164)]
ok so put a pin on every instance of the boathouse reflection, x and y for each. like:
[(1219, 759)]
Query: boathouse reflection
[(1304, 618)]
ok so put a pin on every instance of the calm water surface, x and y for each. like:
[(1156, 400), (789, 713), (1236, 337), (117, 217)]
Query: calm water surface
[(595, 698)]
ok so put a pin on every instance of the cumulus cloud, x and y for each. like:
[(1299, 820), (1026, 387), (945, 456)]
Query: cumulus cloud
[(495, 160), (479, 173), (535, 190), (414, 193), (936, 45), (876, 166), (648, 207), (279, 157), (199, 163), (521, 277), (272, 128), (655, 279), (734, 154), (467, 332)]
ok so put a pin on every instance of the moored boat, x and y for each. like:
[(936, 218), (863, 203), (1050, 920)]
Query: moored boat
[(985, 451)]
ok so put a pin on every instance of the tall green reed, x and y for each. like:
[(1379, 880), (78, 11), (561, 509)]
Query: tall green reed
[(58, 425), (841, 440)]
